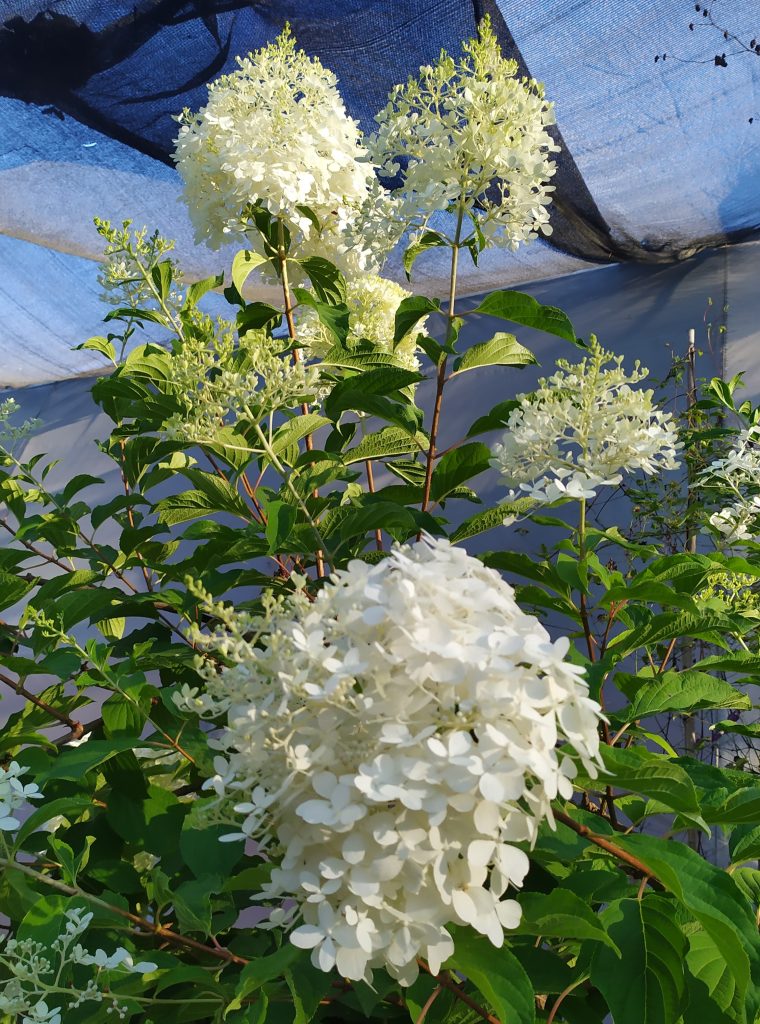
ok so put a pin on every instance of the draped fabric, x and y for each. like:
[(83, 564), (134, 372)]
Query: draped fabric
[(660, 157)]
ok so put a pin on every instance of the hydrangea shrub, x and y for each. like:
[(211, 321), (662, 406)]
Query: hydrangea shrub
[(283, 749)]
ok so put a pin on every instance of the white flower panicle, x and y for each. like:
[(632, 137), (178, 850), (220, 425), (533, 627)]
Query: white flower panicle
[(372, 302), (35, 992), (129, 257), (737, 475), (14, 794), (219, 378), (391, 743), (470, 133), (582, 429), (275, 133)]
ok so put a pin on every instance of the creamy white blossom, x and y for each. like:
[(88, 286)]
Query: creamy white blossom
[(372, 302), (394, 745), (220, 378), (736, 476), (275, 133), (469, 133), (14, 794), (582, 429), (34, 992)]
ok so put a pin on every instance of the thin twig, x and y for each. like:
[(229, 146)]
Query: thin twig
[(604, 844), (445, 981), (142, 925), (76, 728)]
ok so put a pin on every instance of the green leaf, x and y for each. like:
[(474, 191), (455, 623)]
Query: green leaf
[(709, 626), (197, 290), (255, 315), (335, 317), (708, 965), (385, 380), (561, 914), (326, 280), (353, 521), (99, 344), (281, 518), (738, 808), (192, 903), (295, 430), (261, 970), (73, 762), (501, 515), (427, 240), (501, 350), (497, 975), (751, 729), (523, 309), (162, 277), (12, 588), (308, 986), (640, 771), (683, 692), (385, 443), (744, 843), (409, 313), (243, 264), (649, 987), (714, 899), (457, 466), (496, 419)]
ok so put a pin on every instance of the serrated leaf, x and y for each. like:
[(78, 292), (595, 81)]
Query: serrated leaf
[(385, 443), (523, 309), (714, 899), (427, 240), (496, 974), (409, 313), (650, 987), (561, 914), (638, 770), (99, 344), (457, 466), (326, 280), (501, 515), (198, 289), (295, 430), (501, 350), (683, 692), (243, 264)]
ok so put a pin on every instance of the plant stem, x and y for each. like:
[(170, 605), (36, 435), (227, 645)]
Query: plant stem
[(282, 257), (141, 923), (60, 716), (604, 844), (563, 995), (441, 377), (268, 450), (445, 981)]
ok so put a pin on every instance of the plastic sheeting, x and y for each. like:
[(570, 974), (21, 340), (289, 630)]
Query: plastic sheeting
[(659, 158)]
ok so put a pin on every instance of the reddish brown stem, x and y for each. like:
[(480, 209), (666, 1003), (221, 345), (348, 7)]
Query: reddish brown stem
[(604, 844), (60, 716), (371, 488), (445, 981)]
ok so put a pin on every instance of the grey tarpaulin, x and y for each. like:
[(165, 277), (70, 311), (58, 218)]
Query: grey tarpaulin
[(659, 159)]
